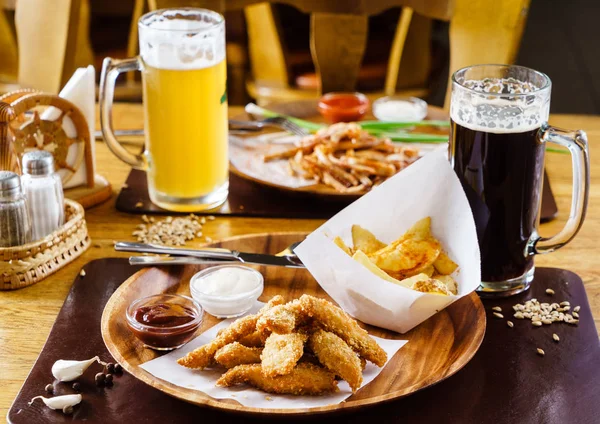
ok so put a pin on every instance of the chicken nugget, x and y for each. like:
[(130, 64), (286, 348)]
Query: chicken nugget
[(255, 339), (281, 353), (234, 354), (337, 357), (304, 379), (203, 356), (333, 318)]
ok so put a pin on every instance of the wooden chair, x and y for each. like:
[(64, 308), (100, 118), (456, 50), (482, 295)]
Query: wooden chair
[(481, 31), (52, 41)]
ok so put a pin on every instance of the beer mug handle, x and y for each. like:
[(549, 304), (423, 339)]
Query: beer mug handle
[(111, 68), (576, 142)]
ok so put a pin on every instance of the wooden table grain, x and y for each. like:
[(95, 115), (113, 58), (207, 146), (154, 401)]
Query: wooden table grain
[(26, 315)]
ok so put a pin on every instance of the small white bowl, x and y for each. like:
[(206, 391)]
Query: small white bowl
[(226, 305), (399, 109)]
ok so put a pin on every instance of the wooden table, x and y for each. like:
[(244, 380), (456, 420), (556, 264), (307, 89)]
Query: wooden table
[(26, 315)]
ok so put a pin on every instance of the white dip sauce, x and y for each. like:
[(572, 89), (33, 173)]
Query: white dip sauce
[(399, 110), (227, 291), (228, 281)]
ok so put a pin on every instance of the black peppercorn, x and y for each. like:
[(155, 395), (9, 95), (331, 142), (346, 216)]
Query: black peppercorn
[(108, 377), (77, 387), (110, 368), (49, 388), (118, 369), (99, 379), (68, 409)]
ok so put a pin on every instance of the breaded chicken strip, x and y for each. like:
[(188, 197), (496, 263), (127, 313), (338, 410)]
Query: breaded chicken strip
[(337, 357), (255, 339), (281, 319), (234, 354), (334, 319), (305, 379), (203, 356), (281, 353)]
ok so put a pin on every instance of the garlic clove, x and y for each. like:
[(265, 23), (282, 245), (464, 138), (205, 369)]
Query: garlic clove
[(64, 370), (59, 402)]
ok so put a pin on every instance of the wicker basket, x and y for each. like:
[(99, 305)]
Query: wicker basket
[(22, 266)]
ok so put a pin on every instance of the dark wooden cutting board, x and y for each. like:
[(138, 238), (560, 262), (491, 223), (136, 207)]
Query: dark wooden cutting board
[(506, 381)]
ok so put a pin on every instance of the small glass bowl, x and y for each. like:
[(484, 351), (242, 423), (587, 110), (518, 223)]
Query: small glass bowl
[(415, 109), (226, 306), (162, 337)]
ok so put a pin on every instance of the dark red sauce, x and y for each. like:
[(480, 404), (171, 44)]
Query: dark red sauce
[(164, 325), (164, 315)]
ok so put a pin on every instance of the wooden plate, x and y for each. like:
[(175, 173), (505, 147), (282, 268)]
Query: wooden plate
[(307, 110), (437, 348)]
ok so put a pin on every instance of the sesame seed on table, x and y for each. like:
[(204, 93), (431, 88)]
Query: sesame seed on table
[(27, 314)]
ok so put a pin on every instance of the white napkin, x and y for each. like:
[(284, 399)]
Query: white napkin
[(428, 187), (81, 91), (166, 368)]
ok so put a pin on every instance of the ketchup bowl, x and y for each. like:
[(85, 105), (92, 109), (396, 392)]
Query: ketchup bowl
[(164, 321), (343, 107)]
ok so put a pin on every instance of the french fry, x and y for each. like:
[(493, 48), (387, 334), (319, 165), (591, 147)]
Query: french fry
[(364, 240)]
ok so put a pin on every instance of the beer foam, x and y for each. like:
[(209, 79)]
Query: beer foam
[(480, 105), (182, 39)]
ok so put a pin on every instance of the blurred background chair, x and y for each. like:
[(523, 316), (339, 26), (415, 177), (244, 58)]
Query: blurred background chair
[(43, 42), (276, 50)]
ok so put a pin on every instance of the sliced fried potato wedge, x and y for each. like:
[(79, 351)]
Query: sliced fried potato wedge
[(430, 286), (360, 257), (364, 240), (444, 265), (340, 243), (420, 230), (409, 257), (450, 283)]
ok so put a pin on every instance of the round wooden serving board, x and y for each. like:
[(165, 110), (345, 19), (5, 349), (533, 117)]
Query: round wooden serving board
[(437, 348), (307, 110)]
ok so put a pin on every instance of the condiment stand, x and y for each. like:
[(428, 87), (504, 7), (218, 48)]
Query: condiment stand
[(21, 130)]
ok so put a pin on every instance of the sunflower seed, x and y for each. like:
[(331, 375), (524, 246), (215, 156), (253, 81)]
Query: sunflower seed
[(537, 323), (546, 321), (574, 322), (565, 303), (82, 272), (510, 324), (575, 314), (498, 315), (576, 308), (497, 309), (519, 315), (555, 337), (540, 352)]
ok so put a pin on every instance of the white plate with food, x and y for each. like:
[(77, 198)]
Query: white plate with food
[(344, 160)]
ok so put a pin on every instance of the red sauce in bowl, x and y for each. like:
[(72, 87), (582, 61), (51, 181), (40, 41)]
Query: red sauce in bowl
[(343, 107)]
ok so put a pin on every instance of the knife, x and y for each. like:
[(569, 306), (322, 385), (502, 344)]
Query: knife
[(199, 256)]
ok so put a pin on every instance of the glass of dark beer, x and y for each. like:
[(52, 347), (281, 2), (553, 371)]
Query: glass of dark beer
[(499, 117)]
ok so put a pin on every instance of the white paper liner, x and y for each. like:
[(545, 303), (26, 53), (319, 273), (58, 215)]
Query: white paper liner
[(167, 369), (429, 187)]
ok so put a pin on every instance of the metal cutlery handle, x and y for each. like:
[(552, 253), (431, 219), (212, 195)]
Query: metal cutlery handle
[(207, 253), (171, 260)]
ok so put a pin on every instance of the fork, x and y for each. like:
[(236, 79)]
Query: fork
[(276, 121)]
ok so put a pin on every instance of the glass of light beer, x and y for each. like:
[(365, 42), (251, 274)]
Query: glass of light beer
[(499, 116), (182, 61)]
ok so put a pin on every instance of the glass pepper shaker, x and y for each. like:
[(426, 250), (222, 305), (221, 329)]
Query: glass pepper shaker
[(43, 189), (15, 223)]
